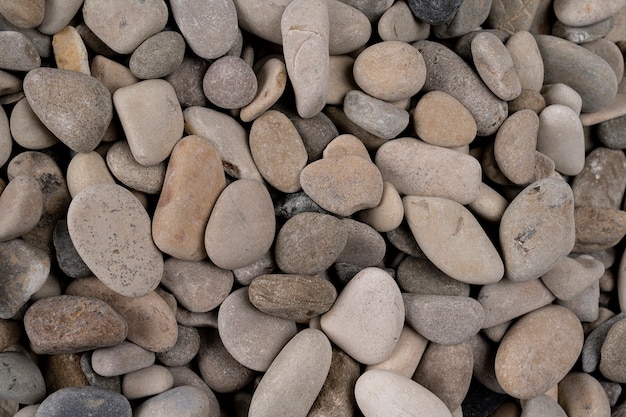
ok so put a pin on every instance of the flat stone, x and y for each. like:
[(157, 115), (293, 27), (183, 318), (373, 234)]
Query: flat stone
[(158, 56), (18, 52), (569, 277), (70, 52), (495, 66), (292, 297), (379, 391), (598, 228), (151, 118), (515, 145), (271, 80), (185, 349), (309, 243), (122, 26), (230, 83), (417, 168), (123, 165), (377, 117), (506, 300), (397, 23), (218, 368), (210, 29), (51, 325), (446, 371), (551, 338), (581, 394), (187, 81), (151, 322), (120, 359), (367, 318), (581, 13), (447, 72), (513, 16), (583, 34), (57, 15), (295, 378), (51, 92), (75, 401), (560, 129), (20, 379), (343, 185), (252, 337), (21, 206), (470, 15), (179, 401), (526, 59), (602, 181), (453, 231), (587, 73), (111, 232), (305, 34), (364, 247)]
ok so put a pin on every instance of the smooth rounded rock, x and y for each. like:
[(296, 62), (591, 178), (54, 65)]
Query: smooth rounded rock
[(27, 130), (185, 349), (542, 406), (123, 165), (598, 228), (580, 394), (440, 119), (559, 93), (560, 129), (407, 354), (349, 28), (21, 206), (111, 232), (377, 117), (87, 169), (388, 214), (367, 317), (364, 247), (515, 145), (158, 56), (187, 81), (20, 379), (585, 12), (149, 381), (495, 66), (420, 276), (550, 338), (230, 83), (93, 401), (470, 15), (57, 15), (602, 181), (611, 354), (120, 359), (18, 52), (26, 14), (70, 52), (399, 24), (271, 80), (569, 277), (185, 401), (111, 73)]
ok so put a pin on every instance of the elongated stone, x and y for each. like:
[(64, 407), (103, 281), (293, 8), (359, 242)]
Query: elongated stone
[(376, 116), (21, 206), (123, 165)]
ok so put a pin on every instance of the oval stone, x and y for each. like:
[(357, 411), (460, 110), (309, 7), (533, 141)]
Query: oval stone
[(398, 24), (364, 247), (388, 214), (350, 28), (158, 56), (18, 52), (87, 169), (526, 59), (418, 275), (537, 229), (120, 359), (27, 130), (602, 181), (612, 354), (179, 401), (569, 277), (439, 119), (241, 226), (585, 12), (453, 239), (92, 401), (20, 379), (379, 392), (561, 138), (21, 206), (495, 66), (582, 395), (230, 83), (549, 339), (111, 232), (415, 167), (51, 92), (145, 382), (124, 166), (69, 324), (295, 378), (377, 117), (515, 145)]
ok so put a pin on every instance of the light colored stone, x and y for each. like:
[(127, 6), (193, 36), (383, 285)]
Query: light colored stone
[(123, 165), (585, 12), (21, 206), (569, 277), (580, 394), (560, 129), (489, 204), (121, 359), (398, 24), (70, 52), (611, 353), (178, 401), (111, 73), (58, 14), (407, 354), (87, 169), (542, 406), (375, 116), (341, 79), (20, 379), (149, 381), (439, 119), (526, 59), (272, 80), (349, 28), (559, 93), (158, 56), (230, 83), (495, 66), (27, 130), (388, 214)]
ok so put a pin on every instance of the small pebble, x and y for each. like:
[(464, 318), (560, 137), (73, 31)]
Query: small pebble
[(377, 117), (20, 379), (122, 164), (94, 401), (149, 381), (70, 52), (495, 66), (581, 13), (120, 359), (611, 355), (158, 56), (398, 24), (230, 83), (18, 52), (185, 349), (515, 145), (179, 401), (21, 206), (560, 128)]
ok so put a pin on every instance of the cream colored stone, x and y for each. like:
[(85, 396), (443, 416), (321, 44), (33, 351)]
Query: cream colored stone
[(87, 169), (406, 355), (388, 214)]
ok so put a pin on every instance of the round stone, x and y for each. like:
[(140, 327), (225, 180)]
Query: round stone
[(515, 145), (179, 401), (93, 401), (18, 52), (581, 394), (388, 214), (158, 56), (351, 28), (20, 379), (560, 130), (230, 83), (185, 349), (420, 276), (585, 12), (149, 381), (527, 60), (21, 206), (398, 24), (439, 119), (364, 247), (272, 80), (495, 66), (27, 130), (147, 179)]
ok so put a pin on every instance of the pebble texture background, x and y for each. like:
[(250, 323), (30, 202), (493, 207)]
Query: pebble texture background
[(312, 208)]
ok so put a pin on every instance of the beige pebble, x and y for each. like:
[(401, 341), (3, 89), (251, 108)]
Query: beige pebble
[(70, 52), (560, 93), (489, 204), (25, 14), (21, 207), (111, 73), (341, 79), (598, 228), (193, 182), (398, 24), (272, 79), (27, 130), (515, 145), (87, 169), (560, 129), (58, 14), (123, 165), (364, 246), (617, 108), (495, 66), (585, 12), (580, 394), (145, 382), (121, 359), (346, 144), (542, 406), (526, 60), (388, 214), (569, 277), (585, 305), (406, 355), (528, 99), (349, 28)]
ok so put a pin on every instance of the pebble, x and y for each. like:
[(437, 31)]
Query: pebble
[(583, 34), (418, 168), (590, 357), (447, 72), (210, 29), (9, 84), (610, 133), (582, 13), (513, 16), (122, 26), (434, 12), (21, 206), (146, 382), (598, 228), (341, 120), (515, 144), (316, 132), (446, 371), (121, 359), (305, 34), (367, 318), (296, 203), (111, 73), (364, 247), (292, 297), (343, 185), (406, 355), (27, 14), (351, 28), (87, 169), (76, 401), (51, 325), (527, 60), (345, 144), (484, 353), (264, 265), (151, 117), (295, 378), (122, 226), (587, 73), (454, 234), (67, 257), (57, 15), (278, 150), (528, 99), (341, 79), (158, 56), (570, 277), (470, 15), (559, 93), (252, 337), (377, 117), (489, 204), (62, 371), (18, 52), (187, 318), (560, 129), (610, 52), (21, 380), (185, 376), (379, 392), (581, 395), (611, 355), (241, 226), (70, 52), (151, 322), (147, 179), (187, 81), (185, 349), (542, 406), (602, 181), (180, 401), (192, 184), (230, 83), (421, 276), (10, 333), (271, 81), (397, 23), (218, 368), (50, 92), (550, 338), (388, 214), (495, 66), (440, 119)]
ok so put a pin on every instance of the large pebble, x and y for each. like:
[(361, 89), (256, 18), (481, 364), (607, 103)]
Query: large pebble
[(111, 73), (515, 145), (376, 116), (549, 339), (271, 80), (585, 12), (447, 72), (252, 337), (111, 232), (193, 182), (587, 73), (561, 138), (158, 56), (537, 229), (151, 322), (349, 28), (309, 243), (21, 205), (495, 66), (367, 318), (418, 168), (57, 15), (293, 297), (70, 52), (581, 395), (295, 378), (123, 165), (407, 354), (379, 392), (51, 92), (18, 52), (26, 14), (68, 324), (185, 349), (241, 226), (20, 379), (92, 401), (151, 117), (364, 247), (443, 227), (305, 32), (124, 26), (388, 214)]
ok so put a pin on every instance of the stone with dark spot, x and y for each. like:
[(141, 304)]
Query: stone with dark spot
[(67, 257)]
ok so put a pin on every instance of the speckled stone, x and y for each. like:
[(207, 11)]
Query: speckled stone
[(50, 92), (21, 206), (611, 355), (111, 73), (495, 66), (187, 81), (147, 179), (513, 16), (20, 379), (351, 28), (18, 52), (581, 394), (581, 13), (158, 56), (439, 119), (515, 145), (602, 181), (185, 349), (598, 228), (610, 132), (120, 359), (62, 371), (230, 83), (74, 401), (397, 23)]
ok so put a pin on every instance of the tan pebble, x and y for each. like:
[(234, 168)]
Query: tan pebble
[(121, 359), (112, 74), (24, 14), (580, 394), (598, 228), (193, 182), (58, 14), (388, 214), (70, 52), (495, 66), (550, 338), (515, 144), (346, 144), (398, 24), (569, 277), (6, 141), (440, 119), (341, 79), (602, 181), (123, 165), (87, 169), (149, 381), (351, 29), (612, 354), (406, 355), (272, 79), (616, 109), (364, 247), (526, 60), (27, 130), (560, 93), (542, 406), (21, 207), (489, 204), (528, 99), (560, 129)]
